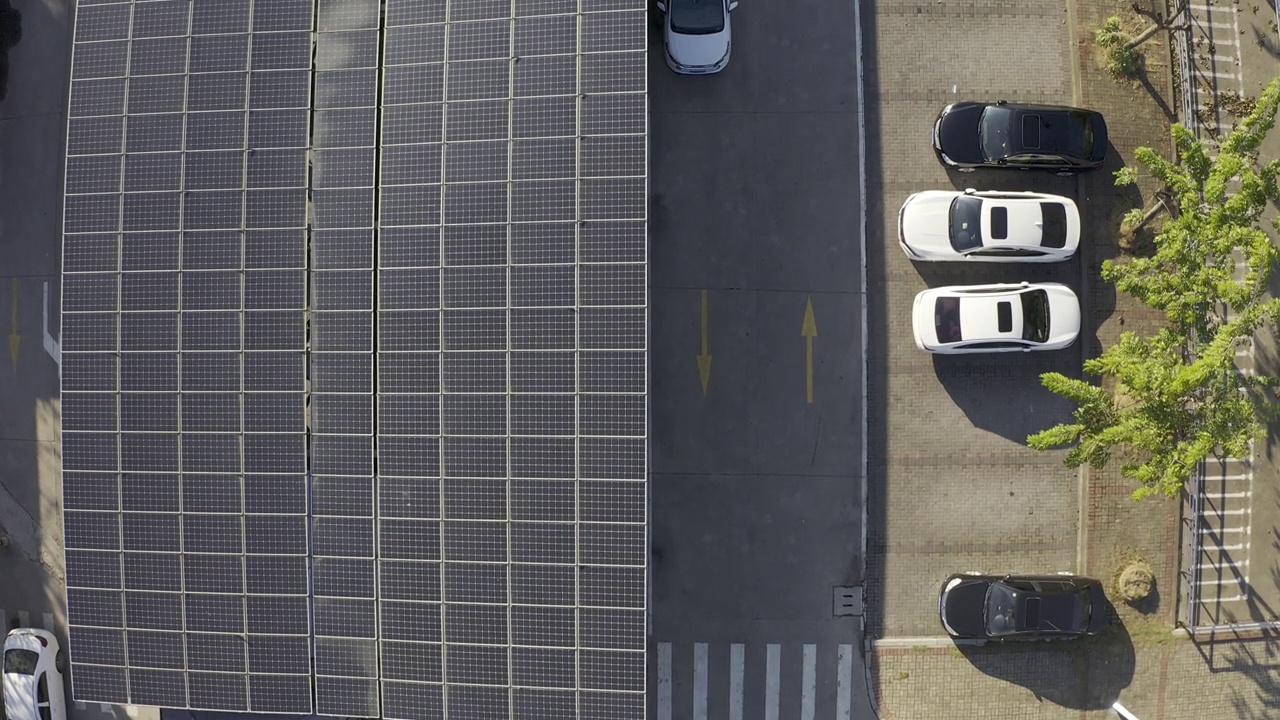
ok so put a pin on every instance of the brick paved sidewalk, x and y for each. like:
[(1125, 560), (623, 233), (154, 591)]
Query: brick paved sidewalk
[(1154, 674)]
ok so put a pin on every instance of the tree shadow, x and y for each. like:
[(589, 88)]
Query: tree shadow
[(1084, 674)]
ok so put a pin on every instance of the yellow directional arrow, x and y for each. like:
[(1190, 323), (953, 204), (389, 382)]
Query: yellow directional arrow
[(704, 359), (14, 338), (810, 331)]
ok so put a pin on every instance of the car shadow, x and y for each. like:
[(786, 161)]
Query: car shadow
[(1084, 674), (973, 381)]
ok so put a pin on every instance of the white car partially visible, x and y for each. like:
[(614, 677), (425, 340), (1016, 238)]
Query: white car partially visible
[(696, 35), (996, 318), (33, 667), (988, 225)]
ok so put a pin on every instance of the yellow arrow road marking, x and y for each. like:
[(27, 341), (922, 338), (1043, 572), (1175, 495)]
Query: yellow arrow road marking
[(809, 329), (704, 359), (14, 338)]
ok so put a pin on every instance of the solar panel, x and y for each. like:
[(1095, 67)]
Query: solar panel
[(354, 356)]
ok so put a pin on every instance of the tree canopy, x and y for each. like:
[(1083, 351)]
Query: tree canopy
[(1174, 398)]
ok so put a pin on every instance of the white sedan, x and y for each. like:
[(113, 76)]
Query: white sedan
[(33, 666), (996, 318), (695, 35), (995, 226)]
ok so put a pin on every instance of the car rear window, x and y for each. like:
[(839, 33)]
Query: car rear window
[(999, 222), (1054, 232), (697, 17), (21, 661), (1004, 316)]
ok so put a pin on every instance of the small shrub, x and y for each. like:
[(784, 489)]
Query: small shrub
[(1122, 61)]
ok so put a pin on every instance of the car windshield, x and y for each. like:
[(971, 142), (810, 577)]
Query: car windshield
[(993, 130), (1080, 133), (966, 223), (21, 661), (697, 17), (1000, 612), (946, 319), (1035, 316)]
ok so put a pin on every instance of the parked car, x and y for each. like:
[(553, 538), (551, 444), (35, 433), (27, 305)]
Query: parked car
[(996, 318), (989, 225), (970, 135), (33, 667), (695, 35), (1021, 607)]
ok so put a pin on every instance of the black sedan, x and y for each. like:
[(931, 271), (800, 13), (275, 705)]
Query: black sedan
[(970, 135), (1021, 607)]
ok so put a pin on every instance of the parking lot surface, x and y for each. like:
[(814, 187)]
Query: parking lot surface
[(756, 262), (953, 486)]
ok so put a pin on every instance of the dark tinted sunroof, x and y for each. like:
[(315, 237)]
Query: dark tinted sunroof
[(1004, 316), (999, 222), (1031, 612), (1031, 132)]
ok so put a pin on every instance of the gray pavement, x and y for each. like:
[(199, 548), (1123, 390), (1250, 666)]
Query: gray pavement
[(755, 487), (953, 486)]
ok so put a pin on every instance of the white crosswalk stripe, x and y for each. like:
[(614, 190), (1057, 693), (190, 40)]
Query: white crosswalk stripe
[(701, 681)]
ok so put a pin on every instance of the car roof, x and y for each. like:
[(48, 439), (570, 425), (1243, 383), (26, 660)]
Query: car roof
[(981, 313), (1024, 220), (1050, 123)]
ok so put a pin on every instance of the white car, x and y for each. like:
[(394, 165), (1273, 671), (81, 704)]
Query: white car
[(695, 34), (33, 667), (996, 318), (990, 225)]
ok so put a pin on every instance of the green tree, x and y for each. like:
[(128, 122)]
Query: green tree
[(1171, 400)]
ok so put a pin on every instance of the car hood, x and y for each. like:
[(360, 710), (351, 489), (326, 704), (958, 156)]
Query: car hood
[(963, 607), (926, 219), (698, 50), (958, 133)]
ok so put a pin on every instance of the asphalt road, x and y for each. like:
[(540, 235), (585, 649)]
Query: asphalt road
[(756, 476)]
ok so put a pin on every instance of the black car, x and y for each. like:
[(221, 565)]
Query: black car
[(1021, 607), (970, 135)]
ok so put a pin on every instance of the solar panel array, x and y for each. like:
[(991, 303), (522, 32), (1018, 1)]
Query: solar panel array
[(354, 356)]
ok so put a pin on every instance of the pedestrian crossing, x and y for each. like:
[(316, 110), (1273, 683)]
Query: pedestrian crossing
[(768, 681)]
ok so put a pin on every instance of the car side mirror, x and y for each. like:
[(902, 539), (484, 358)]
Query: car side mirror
[(662, 7), (733, 5), (1026, 349), (1002, 102), (969, 191)]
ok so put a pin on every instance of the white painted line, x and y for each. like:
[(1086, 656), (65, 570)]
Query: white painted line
[(1233, 598), (1210, 530), (735, 681), (699, 681), (48, 622), (1212, 511), (773, 657), (664, 681), (24, 618), (131, 710), (1122, 711), (1223, 581), (1227, 495), (808, 681), (1225, 476), (914, 642), (844, 682), (1213, 24)]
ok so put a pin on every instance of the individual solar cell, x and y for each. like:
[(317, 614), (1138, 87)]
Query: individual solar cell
[(282, 15), (410, 621), (343, 168), (219, 53), (210, 372), (218, 691), (342, 496), (92, 135), (278, 128), (539, 457), (342, 455), (161, 18), (544, 159), (409, 580), (525, 8), (87, 292), (92, 213), (613, 198), (342, 208), (349, 49), (100, 59), (342, 332), (544, 116), (464, 162), (281, 248), (614, 114), (542, 667), (613, 72), (274, 289), (546, 500), (227, 16), (276, 208), (280, 693), (414, 84), (281, 51), (217, 613), (480, 40), (420, 662), (342, 414), (414, 44), (475, 582), (217, 91), (543, 626), (543, 414), (90, 253), (423, 121), (407, 205), (613, 31), (543, 542), (345, 577), (342, 372), (274, 371), (346, 617), (548, 200), (546, 35), (346, 88), (152, 171), (100, 646), (541, 704), (206, 651), (211, 493), (153, 610), (92, 530), (612, 670), (412, 700), (545, 75), (212, 130), (154, 649), (275, 494), (279, 89), (412, 498), (613, 155), (346, 696), (275, 453), (476, 624), (409, 539), (275, 534), (420, 164), (153, 412), (474, 665), (90, 451), (281, 615), (411, 12), (462, 10), (276, 575), (543, 584), (90, 491), (214, 170), (101, 682), (274, 412), (352, 127)]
